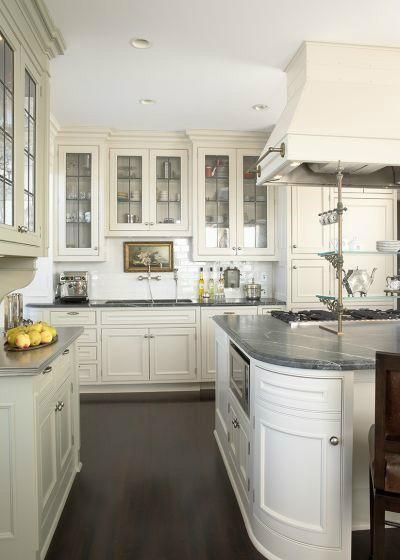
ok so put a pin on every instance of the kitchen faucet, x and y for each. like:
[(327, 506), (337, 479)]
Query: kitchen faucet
[(176, 284), (149, 277)]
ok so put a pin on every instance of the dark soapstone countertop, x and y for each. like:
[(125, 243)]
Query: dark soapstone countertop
[(272, 341), (33, 362), (170, 303)]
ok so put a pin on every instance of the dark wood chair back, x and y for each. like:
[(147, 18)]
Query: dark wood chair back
[(387, 414)]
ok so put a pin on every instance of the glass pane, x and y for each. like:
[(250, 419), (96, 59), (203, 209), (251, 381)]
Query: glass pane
[(29, 154), (78, 190), (217, 201), (1, 105), (169, 190), (32, 98), (26, 132), (9, 113), (1, 58), (9, 67), (1, 156), (32, 136), (31, 175), (255, 210), (2, 195), (31, 216), (8, 204), (8, 159), (129, 189)]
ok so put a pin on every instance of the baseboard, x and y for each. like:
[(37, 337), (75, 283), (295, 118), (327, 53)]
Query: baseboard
[(151, 396)]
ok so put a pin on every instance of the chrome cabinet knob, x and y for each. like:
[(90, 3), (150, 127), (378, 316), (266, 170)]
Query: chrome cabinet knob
[(334, 440), (58, 406), (146, 223), (66, 352), (152, 223), (48, 369), (233, 248), (294, 267), (294, 246), (22, 229), (61, 405), (239, 248)]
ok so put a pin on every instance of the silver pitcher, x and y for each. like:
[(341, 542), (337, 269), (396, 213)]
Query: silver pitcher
[(13, 311), (358, 281)]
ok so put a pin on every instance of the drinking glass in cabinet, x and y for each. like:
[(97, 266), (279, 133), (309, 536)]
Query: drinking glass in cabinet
[(168, 189), (216, 172), (129, 189)]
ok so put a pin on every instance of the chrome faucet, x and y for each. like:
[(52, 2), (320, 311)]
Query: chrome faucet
[(149, 277), (176, 284)]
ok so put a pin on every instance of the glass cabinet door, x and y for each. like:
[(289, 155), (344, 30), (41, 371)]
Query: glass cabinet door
[(7, 194), (78, 229), (217, 202), (30, 153), (168, 184), (129, 196), (255, 210)]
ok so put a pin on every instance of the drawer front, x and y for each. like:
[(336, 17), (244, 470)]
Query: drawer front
[(87, 373), (267, 310), (149, 316), (298, 393), (62, 366), (87, 353), (73, 317), (89, 336)]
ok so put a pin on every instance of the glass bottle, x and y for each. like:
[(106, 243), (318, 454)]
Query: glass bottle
[(211, 284), (200, 289), (221, 284)]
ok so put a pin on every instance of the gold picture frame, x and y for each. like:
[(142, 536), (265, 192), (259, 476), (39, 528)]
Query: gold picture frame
[(137, 255)]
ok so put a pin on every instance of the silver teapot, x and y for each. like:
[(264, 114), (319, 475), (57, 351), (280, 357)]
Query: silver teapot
[(358, 281), (393, 282)]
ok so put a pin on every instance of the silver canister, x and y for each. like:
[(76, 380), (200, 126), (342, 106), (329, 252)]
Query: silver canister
[(13, 311), (252, 291)]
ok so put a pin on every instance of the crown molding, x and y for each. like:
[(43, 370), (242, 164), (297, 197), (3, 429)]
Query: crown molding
[(42, 25), (219, 137)]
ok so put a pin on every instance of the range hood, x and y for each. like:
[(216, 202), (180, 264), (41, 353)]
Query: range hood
[(342, 105)]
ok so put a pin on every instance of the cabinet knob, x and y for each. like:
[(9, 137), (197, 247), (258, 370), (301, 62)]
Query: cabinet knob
[(233, 248), (61, 405), (48, 369), (152, 223), (95, 248), (58, 406), (235, 423), (22, 229), (294, 246), (146, 223), (66, 352), (334, 440), (294, 267), (239, 248)]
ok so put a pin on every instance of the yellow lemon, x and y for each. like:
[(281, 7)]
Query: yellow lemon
[(52, 330), (46, 336), (22, 341), (35, 338)]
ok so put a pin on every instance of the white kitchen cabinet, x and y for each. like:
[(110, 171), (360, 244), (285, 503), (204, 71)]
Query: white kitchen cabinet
[(148, 192), (78, 227), (173, 354), (208, 335), (239, 444), (24, 137), (309, 277), (222, 387), (234, 218), (308, 236), (125, 355)]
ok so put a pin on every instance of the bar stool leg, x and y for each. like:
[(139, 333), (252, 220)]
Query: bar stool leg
[(379, 528), (371, 515)]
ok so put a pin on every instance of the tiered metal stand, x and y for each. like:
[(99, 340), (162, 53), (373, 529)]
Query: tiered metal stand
[(336, 260)]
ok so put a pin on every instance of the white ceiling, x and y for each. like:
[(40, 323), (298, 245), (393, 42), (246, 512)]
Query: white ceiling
[(211, 60)]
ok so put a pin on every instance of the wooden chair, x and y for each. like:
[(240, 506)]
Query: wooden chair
[(384, 447)]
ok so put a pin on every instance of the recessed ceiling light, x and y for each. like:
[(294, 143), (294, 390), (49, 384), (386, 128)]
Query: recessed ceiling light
[(259, 107), (295, 164), (147, 101), (139, 43)]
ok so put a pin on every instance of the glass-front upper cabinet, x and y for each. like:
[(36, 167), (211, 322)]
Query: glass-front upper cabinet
[(217, 202), (168, 190), (30, 152), (148, 191), (7, 179), (255, 209), (78, 202)]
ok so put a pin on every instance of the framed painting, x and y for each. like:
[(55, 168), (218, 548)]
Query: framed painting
[(138, 255)]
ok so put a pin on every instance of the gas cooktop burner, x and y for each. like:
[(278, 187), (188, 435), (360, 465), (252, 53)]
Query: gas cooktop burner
[(321, 315)]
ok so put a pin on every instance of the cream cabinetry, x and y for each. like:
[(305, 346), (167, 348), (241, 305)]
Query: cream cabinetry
[(77, 197), (149, 192), (309, 277), (208, 335), (24, 129), (39, 427), (125, 355), (308, 237), (239, 445), (234, 218)]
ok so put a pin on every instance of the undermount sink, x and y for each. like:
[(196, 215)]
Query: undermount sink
[(145, 301)]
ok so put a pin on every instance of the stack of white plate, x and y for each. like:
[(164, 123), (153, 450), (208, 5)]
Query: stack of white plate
[(388, 246)]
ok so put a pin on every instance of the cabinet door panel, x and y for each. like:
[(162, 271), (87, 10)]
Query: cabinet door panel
[(216, 220), (239, 429), (47, 455), (125, 355), (309, 278), (208, 335), (308, 236), (173, 354), (300, 498), (64, 427)]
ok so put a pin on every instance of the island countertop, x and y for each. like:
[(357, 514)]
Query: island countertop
[(272, 341), (33, 362)]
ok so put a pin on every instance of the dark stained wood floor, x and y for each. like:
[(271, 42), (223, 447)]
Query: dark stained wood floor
[(153, 487)]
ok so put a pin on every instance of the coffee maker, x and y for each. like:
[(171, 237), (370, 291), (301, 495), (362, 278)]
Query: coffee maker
[(72, 287)]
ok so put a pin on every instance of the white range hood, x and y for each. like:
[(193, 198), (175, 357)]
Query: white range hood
[(343, 103)]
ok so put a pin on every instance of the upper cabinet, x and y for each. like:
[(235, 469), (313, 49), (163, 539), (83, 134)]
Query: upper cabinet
[(77, 200), (235, 218), (24, 127), (148, 192)]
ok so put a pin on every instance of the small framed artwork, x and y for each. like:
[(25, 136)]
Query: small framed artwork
[(138, 255)]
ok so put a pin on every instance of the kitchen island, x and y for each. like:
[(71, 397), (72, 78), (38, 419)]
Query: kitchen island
[(39, 443), (298, 462)]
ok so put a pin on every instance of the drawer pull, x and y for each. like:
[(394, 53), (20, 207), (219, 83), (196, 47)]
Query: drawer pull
[(229, 313), (47, 370), (72, 312), (65, 352)]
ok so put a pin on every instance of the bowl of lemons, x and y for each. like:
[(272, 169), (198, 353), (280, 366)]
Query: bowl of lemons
[(30, 337)]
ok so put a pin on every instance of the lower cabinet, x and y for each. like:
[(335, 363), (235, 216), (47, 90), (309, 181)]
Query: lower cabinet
[(239, 444), (140, 355), (208, 335)]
